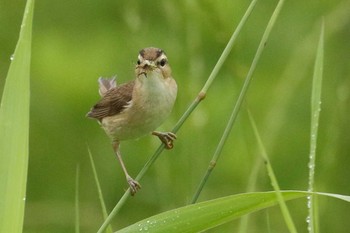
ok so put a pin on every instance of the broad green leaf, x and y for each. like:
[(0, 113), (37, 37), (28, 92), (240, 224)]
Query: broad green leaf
[(206, 215), (209, 214), (14, 130)]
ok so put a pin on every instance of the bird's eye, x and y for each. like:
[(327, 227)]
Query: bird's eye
[(162, 62), (138, 62)]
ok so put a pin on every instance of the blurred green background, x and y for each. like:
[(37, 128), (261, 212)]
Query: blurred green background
[(75, 42)]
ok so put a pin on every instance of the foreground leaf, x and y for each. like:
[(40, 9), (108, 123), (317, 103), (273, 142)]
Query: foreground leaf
[(14, 130), (209, 214), (206, 215)]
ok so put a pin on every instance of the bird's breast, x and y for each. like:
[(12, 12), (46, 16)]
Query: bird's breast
[(154, 98)]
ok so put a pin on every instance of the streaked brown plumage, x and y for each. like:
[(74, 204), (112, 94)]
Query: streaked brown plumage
[(113, 102)]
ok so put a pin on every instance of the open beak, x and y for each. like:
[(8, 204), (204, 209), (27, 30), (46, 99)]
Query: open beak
[(145, 67), (148, 65)]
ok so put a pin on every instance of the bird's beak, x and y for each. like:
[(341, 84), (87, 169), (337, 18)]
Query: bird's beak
[(148, 65), (145, 67)]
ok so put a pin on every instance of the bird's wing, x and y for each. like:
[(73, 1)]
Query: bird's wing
[(114, 101)]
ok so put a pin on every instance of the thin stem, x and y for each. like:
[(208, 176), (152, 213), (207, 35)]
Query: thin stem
[(77, 220), (315, 115), (273, 179), (228, 48), (240, 98), (99, 190)]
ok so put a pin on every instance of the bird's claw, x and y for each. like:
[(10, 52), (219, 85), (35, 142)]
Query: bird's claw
[(166, 137), (134, 185)]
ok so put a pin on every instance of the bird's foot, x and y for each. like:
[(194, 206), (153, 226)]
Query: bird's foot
[(133, 184), (166, 137)]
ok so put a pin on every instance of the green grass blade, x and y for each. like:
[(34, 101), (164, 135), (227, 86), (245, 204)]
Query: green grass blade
[(251, 186), (206, 86), (228, 47), (315, 115), (240, 100), (338, 196), (77, 219), (99, 190), (273, 179), (216, 68), (14, 130)]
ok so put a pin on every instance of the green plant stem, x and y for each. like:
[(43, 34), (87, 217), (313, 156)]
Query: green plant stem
[(229, 46), (273, 179), (315, 115), (231, 121), (253, 177), (99, 190), (239, 101), (77, 221)]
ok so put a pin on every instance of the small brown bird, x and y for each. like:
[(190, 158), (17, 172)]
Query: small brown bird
[(136, 108)]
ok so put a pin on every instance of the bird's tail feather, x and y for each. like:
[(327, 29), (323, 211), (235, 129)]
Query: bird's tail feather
[(106, 84)]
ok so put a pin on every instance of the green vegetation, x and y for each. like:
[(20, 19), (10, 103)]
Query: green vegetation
[(14, 130), (76, 42)]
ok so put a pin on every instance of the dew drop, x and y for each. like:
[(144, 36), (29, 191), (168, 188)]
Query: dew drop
[(140, 227), (308, 219), (311, 166), (12, 57), (309, 204)]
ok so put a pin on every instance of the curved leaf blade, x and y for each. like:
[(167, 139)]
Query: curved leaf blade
[(14, 130), (206, 215)]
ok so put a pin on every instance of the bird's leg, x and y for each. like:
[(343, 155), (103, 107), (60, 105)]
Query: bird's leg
[(166, 137), (134, 185)]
